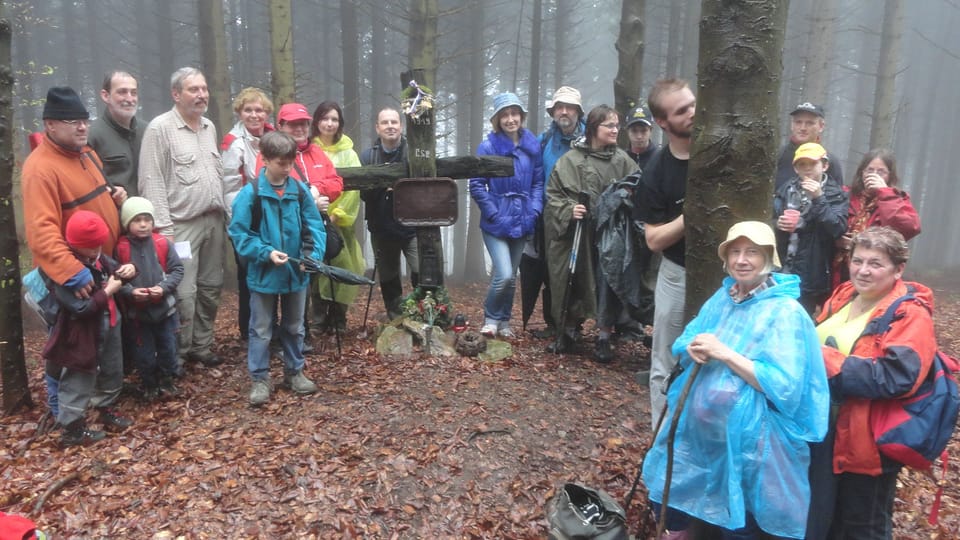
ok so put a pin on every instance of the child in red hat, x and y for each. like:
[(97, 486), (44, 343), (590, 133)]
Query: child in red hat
[(83, 350)]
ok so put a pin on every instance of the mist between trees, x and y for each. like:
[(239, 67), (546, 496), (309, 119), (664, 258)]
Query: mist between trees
[(886, 75)]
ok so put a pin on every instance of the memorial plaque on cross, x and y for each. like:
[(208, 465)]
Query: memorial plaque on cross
[(425, 191)]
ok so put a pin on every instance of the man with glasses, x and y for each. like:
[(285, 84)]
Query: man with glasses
[(61, 176), (180, 172), (659, 205), (116, 135)]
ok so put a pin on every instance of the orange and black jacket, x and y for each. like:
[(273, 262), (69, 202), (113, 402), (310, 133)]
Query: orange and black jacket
[(890, 363)]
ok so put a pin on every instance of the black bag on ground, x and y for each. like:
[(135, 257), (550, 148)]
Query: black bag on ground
[(577, 512)]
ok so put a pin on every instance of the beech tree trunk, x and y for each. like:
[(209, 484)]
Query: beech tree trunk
[(13, 369), (884, 109), (213, 50), (474, 263), (735, 135), (627, 86), (349, 45), (281, 53), (822, 32), (533, 97)]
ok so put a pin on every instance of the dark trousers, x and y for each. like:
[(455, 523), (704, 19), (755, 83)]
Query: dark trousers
[(154, 348), (243, 297)]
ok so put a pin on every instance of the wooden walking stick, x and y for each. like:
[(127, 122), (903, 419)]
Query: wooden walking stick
[(674, 421)]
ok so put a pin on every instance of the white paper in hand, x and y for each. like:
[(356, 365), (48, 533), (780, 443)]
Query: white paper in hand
[(183, 250)]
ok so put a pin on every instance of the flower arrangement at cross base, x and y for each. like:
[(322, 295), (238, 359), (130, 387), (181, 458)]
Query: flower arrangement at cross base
[(428, 305)]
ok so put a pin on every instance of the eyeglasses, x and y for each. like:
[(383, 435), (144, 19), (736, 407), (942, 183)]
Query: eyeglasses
[(611, 125), (879, 172), (77, 122)]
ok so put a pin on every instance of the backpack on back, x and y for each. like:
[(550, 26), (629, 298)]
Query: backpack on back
[(160, 244), (914, 430), (334, 240)]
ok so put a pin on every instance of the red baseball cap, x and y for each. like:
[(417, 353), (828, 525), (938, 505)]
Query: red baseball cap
[(291, 112)]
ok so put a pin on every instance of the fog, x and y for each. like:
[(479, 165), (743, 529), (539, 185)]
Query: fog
[(832, 56)]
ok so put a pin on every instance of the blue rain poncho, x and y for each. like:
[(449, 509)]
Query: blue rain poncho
[(738, 450)]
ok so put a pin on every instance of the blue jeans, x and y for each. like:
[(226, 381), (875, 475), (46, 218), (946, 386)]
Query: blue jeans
[(263, 308), (505, 255), (154, 348)]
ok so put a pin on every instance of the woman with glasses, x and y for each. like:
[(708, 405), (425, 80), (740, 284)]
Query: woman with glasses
[(593, 163), (875, 200)]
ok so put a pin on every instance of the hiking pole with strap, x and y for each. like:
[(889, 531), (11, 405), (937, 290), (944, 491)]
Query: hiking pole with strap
[(583, 199)]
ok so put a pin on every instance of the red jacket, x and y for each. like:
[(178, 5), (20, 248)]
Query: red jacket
[(888, 365), (314, 167), (894, 210)]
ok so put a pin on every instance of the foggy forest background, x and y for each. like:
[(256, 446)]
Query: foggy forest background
[(886, 75)]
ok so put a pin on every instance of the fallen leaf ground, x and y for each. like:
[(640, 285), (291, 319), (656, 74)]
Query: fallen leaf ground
[(388, 448)]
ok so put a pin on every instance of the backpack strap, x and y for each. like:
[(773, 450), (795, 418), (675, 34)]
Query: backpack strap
[(162, 246), (882, 323)]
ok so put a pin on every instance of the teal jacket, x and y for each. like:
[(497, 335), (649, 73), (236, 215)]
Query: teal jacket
[(290, 224)]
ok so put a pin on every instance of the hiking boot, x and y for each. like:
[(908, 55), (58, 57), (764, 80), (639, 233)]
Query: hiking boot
[(604, 351), (167, 388), (299, 383), (563, 344), (259, 392), (206, 358), (76, 433), (113, 421), (549, 332), (150, 394), (489, 330)]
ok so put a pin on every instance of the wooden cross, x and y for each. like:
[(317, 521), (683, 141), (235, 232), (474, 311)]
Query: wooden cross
[(423, 169)]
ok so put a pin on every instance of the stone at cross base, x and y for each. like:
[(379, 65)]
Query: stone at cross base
[(421, 198)]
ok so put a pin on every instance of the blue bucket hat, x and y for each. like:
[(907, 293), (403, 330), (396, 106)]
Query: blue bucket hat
[(504, 100)]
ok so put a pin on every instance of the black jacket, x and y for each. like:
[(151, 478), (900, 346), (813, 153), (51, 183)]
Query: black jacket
[(824, 220), (379, 202)]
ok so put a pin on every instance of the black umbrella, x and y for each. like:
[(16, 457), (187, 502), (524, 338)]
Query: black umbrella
[(533, 276), (335, 273)]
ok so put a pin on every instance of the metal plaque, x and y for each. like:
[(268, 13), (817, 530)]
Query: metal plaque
[(425, 202)]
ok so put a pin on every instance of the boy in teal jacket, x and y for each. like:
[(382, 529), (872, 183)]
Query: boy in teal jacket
[(275, 220)]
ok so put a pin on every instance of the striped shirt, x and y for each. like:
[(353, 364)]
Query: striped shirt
[(180, 170)]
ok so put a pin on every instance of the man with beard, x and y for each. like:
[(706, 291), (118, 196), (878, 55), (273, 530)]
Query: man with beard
[(568, 125), (180, 173), (390, 239), (806, 125), (659, 205), (116, 135)]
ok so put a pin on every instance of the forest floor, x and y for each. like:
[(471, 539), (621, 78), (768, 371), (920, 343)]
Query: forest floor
[(388, 448)]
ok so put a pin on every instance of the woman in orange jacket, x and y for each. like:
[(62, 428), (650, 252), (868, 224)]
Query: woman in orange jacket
[(849, 478)]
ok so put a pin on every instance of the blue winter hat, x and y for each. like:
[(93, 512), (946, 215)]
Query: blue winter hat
[(504, 100)]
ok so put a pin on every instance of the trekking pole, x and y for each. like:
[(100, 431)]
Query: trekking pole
[(336, 324), (674, 421), (583, 199), (366, 311)]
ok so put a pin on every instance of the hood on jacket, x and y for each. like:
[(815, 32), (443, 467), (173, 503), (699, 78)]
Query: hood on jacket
[(345, 143)]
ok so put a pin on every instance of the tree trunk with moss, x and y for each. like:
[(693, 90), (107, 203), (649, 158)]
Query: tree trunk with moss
[(13, 369), (735, 135)]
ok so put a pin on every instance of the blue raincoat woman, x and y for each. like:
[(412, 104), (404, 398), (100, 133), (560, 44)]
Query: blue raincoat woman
[(741, 447)]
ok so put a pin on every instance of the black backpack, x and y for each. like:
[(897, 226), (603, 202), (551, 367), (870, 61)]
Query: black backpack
[(334, 239)]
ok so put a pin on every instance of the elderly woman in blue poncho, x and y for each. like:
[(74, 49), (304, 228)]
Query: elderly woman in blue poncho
[(509, 207), (740, 452)]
